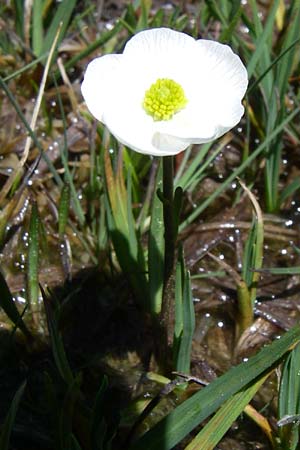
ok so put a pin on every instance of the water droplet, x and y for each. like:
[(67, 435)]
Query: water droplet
[(19, 299), (244, 29)]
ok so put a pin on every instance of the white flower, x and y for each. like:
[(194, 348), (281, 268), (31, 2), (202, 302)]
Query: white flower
[(166, 91)]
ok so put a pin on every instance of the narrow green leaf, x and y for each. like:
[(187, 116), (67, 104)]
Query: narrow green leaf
[(7, 426), (174, 427), (57, 346), (8, 305), (62, 15), (98, 425), (280, 270), (263, 37), (37, 27), (19, 17), (184, 318), (66, 415), (289, 190), (63, 210), (289, 399), (212, 433), (32, 278), (156, 248)]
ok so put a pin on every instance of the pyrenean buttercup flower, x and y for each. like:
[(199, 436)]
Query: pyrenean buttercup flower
[(166, 91)]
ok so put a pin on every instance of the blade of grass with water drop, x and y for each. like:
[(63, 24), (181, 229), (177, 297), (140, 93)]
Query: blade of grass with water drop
[(289, 399), (289, 190), (9, 307), (32, 263), (7, 426), (63, 209), (176, 425), (212, 433)]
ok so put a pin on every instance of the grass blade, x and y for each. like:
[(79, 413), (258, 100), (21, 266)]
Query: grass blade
[(57, 346), (6, 428), (63, 210), (289, 399), (37, 27), (156, 249), (173, 428), (184, 318), (33, 258), (213, 432), (98, 425), (8, 305), (62, 15)]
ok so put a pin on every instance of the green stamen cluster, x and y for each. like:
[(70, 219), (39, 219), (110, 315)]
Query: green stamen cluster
[(164, 98)]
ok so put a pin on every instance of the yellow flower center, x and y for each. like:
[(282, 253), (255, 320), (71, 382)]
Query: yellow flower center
[(164, 98)]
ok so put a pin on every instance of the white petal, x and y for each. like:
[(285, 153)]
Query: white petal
[(158, 41), (215, 89), (226, 79), (98, 86), (135, 129), (161, 53)]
